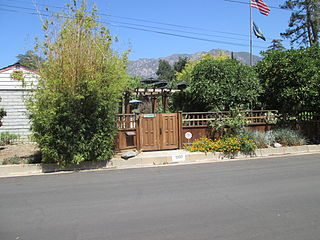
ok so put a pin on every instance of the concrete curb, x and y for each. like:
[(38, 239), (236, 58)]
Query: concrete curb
[(36, 169), (148, 159)]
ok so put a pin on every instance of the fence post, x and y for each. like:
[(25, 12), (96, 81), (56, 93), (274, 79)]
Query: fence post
[(138, 140), (180, 137)]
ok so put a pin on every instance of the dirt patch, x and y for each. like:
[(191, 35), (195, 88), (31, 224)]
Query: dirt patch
[(21, 150)]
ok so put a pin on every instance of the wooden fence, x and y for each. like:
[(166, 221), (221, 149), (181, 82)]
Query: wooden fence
[(126, 121), (202, 119), (307, 122), (197, 123), (127, 132)]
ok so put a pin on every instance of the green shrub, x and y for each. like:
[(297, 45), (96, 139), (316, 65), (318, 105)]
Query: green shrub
[(222, 84), (248, 146), (229, 124), (270, 138), (288, 137), (74, 107), (11, 160), (261, 139), (7, 138), (290, 79), (36, 158), (285, 137)]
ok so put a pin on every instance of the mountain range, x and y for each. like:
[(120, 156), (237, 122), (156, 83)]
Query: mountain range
[(147, 67)]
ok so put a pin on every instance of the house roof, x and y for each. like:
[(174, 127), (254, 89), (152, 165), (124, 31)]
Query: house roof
[(15, 65)]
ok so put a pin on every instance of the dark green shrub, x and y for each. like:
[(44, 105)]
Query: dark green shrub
[(290, 79), (3, 113), (223, 84), (36, 158)]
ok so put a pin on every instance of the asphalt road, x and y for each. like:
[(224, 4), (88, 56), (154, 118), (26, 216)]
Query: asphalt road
[(271, 198)]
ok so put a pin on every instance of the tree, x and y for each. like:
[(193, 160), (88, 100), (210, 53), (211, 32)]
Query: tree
[(226, 84), (185, 74), (291, 79), (180, 64), (74, 107), (276, 44), (165, 70), (30, 60), (304, 24), (134, 83), (218, 84)]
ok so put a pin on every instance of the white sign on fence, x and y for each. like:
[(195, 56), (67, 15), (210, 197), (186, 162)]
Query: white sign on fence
[(188, 135)]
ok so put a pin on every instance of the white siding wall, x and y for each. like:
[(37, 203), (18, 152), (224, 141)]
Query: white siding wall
[(13, 95), (16, 120)]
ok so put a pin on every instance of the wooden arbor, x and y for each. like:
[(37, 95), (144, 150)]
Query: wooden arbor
[(147, 129), (149, 94), (156, 88)]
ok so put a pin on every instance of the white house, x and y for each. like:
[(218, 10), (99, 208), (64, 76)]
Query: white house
[(16, 82)]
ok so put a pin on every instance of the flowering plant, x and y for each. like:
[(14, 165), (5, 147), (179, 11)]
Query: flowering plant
[(227, 145)]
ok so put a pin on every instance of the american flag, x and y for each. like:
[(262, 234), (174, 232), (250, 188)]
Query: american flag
[(261, 6)]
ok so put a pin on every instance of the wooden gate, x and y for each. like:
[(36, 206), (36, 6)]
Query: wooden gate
[(159, 131)]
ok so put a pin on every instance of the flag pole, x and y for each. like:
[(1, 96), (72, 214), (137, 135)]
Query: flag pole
[(250, 32)]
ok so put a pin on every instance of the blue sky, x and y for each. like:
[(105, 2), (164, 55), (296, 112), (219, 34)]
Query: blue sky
[(223, 24)]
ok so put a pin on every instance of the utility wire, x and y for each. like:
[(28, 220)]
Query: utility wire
[(148, 26), (148, 30), (129, 18), (145, 20), (143, 29), (175, 30), (178, 35), (139, 19)]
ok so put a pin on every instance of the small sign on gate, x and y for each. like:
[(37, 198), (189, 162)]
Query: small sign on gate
[(149, 115)]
